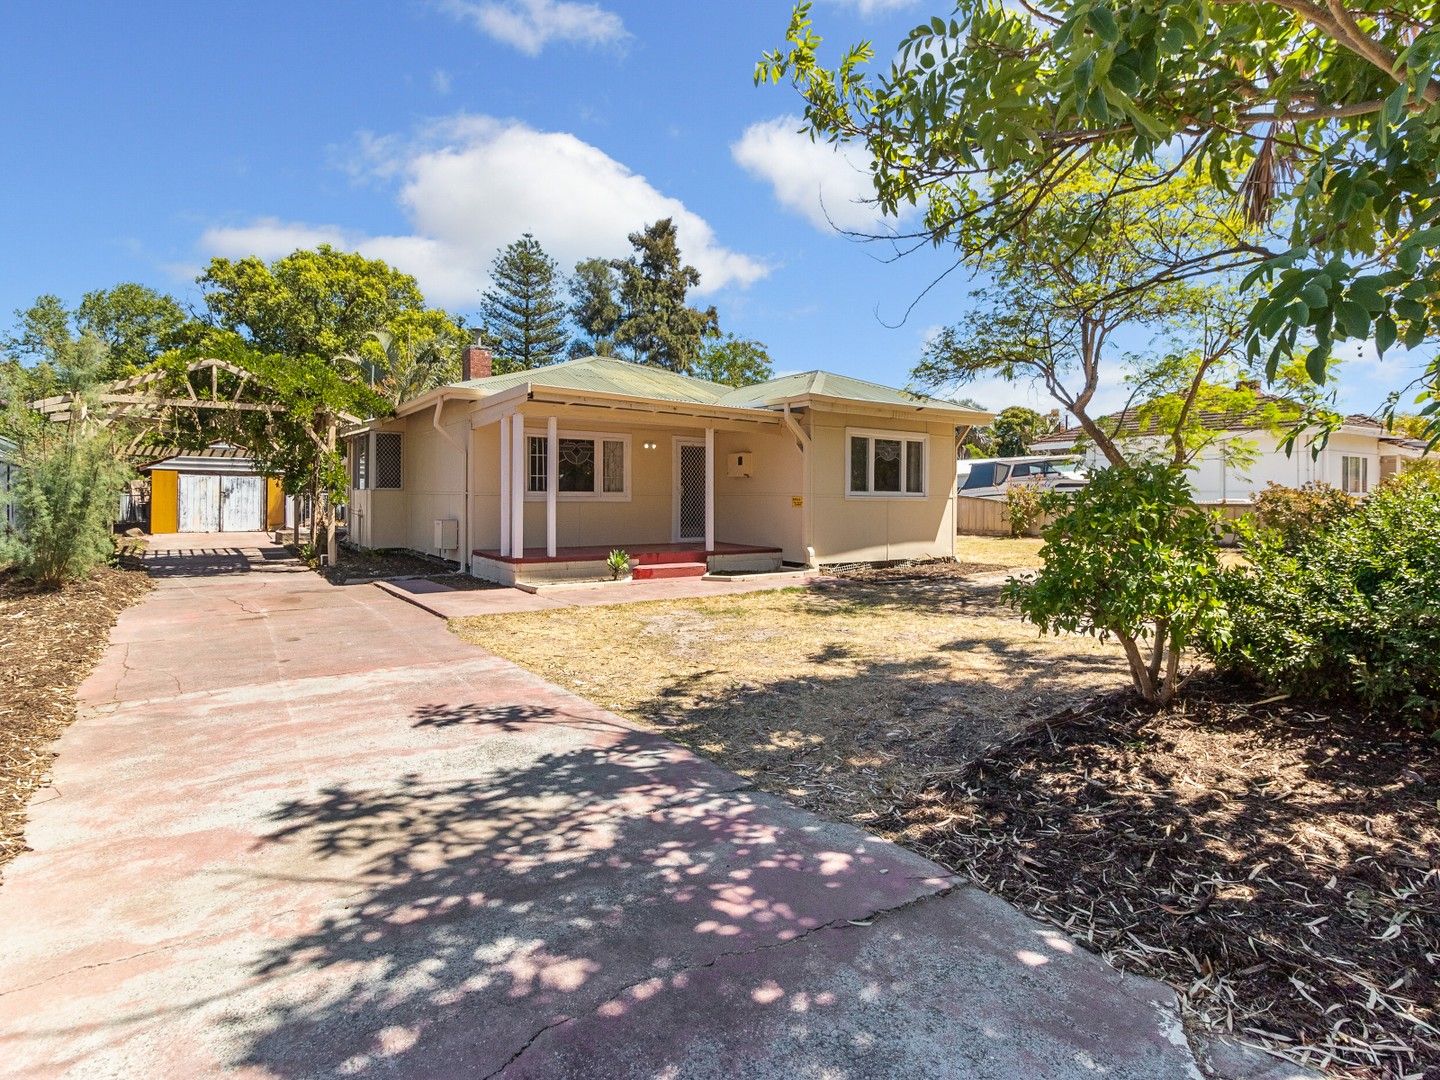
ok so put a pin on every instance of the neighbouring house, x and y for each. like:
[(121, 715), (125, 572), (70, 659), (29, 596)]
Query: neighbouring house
[(537, 475), (1356, 457), (217, 489), (9, 473)]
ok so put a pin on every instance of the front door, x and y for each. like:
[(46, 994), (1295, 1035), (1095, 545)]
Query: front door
[(689, 489)]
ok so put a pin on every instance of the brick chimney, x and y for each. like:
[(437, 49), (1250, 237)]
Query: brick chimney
[(476, 363)]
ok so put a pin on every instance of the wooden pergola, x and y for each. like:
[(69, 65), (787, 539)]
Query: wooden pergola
[(150, 397)]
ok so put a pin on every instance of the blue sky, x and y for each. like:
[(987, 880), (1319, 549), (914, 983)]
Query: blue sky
[(143, 138)]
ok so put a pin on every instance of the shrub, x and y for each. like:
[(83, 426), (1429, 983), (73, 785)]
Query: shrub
[(1297, 514), (1353, 611), (1129, 557), (65, 497), (1023, 508)]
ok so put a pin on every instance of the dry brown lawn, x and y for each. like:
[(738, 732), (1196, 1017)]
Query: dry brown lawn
[(844, 697), (1020, 553)]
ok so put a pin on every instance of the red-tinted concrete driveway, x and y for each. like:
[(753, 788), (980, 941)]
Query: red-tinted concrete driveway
[(303, 831)]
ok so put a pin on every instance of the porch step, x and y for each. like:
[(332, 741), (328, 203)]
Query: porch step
[(669, 557), (645, 571)]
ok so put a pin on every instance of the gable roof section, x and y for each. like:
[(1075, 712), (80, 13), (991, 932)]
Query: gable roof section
[(610, 376), (607, 375)]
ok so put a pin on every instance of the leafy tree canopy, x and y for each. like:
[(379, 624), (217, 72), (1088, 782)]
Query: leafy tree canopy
[(323, 303), (733, 361), (415, 352), (658, 324), (1015, 428), (134, 322), (1324, 118), (595, 307), (522, 311), (1086, 265)]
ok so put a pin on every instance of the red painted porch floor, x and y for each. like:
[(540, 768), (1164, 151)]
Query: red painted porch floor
[(641, 552)]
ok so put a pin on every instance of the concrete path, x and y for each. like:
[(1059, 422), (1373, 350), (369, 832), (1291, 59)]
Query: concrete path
[(303, 831)]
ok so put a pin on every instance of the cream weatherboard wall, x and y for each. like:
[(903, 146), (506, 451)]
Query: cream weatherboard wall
[(849, 528)]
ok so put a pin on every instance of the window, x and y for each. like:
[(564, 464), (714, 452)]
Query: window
[(589, 466), (389, 470), (1354, 474), (361, 461), (886, 463)]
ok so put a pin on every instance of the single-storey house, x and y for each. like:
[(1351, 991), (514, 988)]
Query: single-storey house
[(1357, 456), (217, 489), (537, 475)]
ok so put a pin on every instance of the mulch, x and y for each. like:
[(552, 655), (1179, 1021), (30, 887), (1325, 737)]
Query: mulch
[(49, 641), (1277, 864)]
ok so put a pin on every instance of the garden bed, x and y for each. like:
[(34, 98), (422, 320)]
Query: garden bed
[(1280, 866), (49, 641)]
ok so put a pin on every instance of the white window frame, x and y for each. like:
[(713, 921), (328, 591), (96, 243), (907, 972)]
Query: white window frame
[(599, 438), (1363, 470), (360, 478), (374, 472), (905, 438)]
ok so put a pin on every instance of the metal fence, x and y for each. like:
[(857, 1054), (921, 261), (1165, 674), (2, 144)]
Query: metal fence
[(988, 517)]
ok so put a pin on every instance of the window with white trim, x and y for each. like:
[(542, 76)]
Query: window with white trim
[(389, 466), (1354, 474), (886, 464), (590, 466)]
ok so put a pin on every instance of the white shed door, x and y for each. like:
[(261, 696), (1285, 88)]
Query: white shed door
[(199, 503), (242, 503)]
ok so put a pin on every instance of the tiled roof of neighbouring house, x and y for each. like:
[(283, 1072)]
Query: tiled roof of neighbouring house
[(1130, 422)]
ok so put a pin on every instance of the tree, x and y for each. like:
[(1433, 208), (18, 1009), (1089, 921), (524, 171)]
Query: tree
[(595, 307), (1080, 270), (733, 361), (71, 472), (1129, 557), (136, 322), (1015, 428), (1323, 117), (322, 303), (306, 327), (416, 352), (522, 309), (654, 285)]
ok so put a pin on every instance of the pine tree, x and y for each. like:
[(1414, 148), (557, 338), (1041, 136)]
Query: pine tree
[(523, 310), (654, 283), (595, 307)]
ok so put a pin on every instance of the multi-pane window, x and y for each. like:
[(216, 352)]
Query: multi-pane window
[(1354, 474), (389, 469), (587, 465), (886, 463)]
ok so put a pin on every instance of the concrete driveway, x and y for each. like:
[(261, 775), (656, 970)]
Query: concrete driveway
[(301, 830)]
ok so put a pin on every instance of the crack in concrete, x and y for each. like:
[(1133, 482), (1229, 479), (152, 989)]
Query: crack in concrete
[(863, 922)]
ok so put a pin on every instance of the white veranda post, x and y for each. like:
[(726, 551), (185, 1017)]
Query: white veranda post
[(552, 481), (504, 485), (709, 489), (517, 486)]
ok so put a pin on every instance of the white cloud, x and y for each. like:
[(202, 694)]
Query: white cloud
[(440, 81), (868, 8), (530, 25), (471, 184), (823, 183)]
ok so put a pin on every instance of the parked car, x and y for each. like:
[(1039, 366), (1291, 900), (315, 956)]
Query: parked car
[(991, 478)]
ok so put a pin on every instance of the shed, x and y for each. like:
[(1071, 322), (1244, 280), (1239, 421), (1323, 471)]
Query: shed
[(9, 472), (217, 489)]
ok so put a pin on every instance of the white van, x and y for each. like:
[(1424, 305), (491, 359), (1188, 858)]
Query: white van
[(991, 478)]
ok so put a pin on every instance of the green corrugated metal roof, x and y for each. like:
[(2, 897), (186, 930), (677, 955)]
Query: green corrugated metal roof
[(608, 375), (611, 376), (827, 384)]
